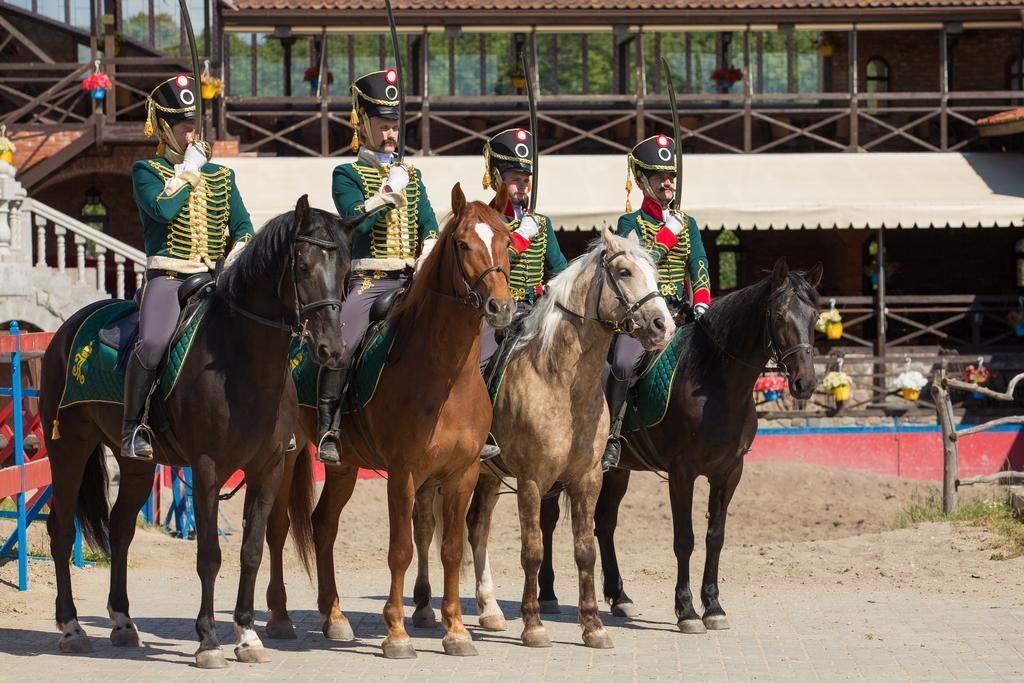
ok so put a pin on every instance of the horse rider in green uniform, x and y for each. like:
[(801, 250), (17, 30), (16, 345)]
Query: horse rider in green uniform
[(399, 232), (673, 240), (192, 214), (534, 254)]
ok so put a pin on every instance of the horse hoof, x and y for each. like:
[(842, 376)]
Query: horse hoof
[(399, 649), (493, 622), (459, 647), (125, 636), (716, 622), (599, 640), (252, 655), (625, 609), (76, 645), (280, 629), (550, 607), (211, 659), (339, 630), (692, 626), (536, 638), (424, 618)]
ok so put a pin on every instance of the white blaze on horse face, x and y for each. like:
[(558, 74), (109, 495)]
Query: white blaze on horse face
[(486, 234)]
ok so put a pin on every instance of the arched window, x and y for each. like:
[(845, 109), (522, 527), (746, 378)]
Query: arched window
[(94, 214), (877, 78), (727, 245), (1018, 253)]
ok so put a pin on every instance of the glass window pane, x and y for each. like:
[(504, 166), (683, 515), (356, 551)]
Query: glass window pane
[(704, 61), (269, 66), (601, 63), (239, 63), (467, 65), (499, 65), (337, 65), (774, 63), (167, 33), (808, 61), (437, 57), (301, 61), (80, 14), (367, 54), (54, 9), (135, 20)]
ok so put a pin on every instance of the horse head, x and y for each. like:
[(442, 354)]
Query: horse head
[(319, 267), (790, 317), (479, 242), (631, 298)]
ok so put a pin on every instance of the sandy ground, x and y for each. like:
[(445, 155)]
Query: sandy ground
[(790, 525)]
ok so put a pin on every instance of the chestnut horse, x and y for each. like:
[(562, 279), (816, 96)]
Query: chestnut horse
[(224, 414), (426, 423)]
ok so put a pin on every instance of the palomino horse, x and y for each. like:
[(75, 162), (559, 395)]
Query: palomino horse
[(223, 413), (551, 420), (709, 425), (427, 421)]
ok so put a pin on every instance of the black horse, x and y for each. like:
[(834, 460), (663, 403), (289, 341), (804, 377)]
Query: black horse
[(222, 414), (708, 427)]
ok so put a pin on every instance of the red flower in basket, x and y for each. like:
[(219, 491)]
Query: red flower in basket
[(977, 375), (770, 383), (96, 81), (313, 73), (728, 75)]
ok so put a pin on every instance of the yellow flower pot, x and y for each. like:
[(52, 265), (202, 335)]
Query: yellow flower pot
[(7, 156), (209, 91), (841, 394), (834, 331), (910, 394)]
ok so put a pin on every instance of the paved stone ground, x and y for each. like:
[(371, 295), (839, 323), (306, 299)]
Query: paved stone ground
[(790, 633)]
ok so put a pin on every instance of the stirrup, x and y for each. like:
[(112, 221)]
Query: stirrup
[(292, 444), (335, 434), (132, 453), (612, 453), (489, 452)]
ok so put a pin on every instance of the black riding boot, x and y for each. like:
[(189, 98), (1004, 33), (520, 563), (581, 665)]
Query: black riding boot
[(617, 392), (138, 383), (329, 388)]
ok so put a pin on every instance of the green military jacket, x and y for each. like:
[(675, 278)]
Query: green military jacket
[(540, 260), (189, 229), (679, 258), (389, 239)]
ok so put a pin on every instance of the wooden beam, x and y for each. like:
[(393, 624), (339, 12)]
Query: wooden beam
[(24, 40)]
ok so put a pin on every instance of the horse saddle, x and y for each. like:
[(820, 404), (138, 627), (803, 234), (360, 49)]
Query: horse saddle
[(383, 304), (120, 334)]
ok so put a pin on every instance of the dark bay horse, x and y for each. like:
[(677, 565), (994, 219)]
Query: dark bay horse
[(425, 425), (223, 414), (551, 420), (708, 426)]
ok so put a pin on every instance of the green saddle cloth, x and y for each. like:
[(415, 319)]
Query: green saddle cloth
[(93, 374), (369, 364), (649, 398)]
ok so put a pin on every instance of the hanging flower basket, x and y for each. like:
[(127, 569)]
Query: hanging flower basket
[(7, 148), (831, 323), (312, 76), (909, 383), (771, 386), (210, 87), (979, 375), (727, 77), (1015, 319), (839, 383), (97, 84)]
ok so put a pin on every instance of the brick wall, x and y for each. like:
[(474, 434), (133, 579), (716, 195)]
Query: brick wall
[(33, 148)]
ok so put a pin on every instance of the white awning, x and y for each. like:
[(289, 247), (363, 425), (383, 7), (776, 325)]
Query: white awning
[(756, 191)]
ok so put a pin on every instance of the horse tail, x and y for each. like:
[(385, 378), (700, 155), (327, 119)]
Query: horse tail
[(300, 509), (91, 510)]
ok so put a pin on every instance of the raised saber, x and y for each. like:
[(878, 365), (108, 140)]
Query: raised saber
[(676, 136), (535, 154), (195, 69), (401, 82)]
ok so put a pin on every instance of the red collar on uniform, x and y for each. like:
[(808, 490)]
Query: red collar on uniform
[(509, 211), (652, 209)]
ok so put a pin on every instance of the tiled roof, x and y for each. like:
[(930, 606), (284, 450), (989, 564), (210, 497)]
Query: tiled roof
[(556, 5)]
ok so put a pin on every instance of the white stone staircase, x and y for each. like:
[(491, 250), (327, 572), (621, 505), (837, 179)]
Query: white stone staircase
[(44, 271)]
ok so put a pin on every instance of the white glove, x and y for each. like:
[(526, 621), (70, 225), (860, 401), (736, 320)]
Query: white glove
[(195, 159), (699, 310), (673, 222), (528, 227), (393, 199), (398, 178)]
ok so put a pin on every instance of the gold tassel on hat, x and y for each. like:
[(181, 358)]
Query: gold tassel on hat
[(629, 188), (150, 115), (354, 120), (487, 166)]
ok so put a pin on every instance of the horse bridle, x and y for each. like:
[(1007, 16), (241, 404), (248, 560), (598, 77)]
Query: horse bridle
[(298, 326), (627, 323), (473, 297)]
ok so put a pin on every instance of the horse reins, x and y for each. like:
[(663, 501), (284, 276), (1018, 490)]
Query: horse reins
[(627, 323), (473, 297)]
